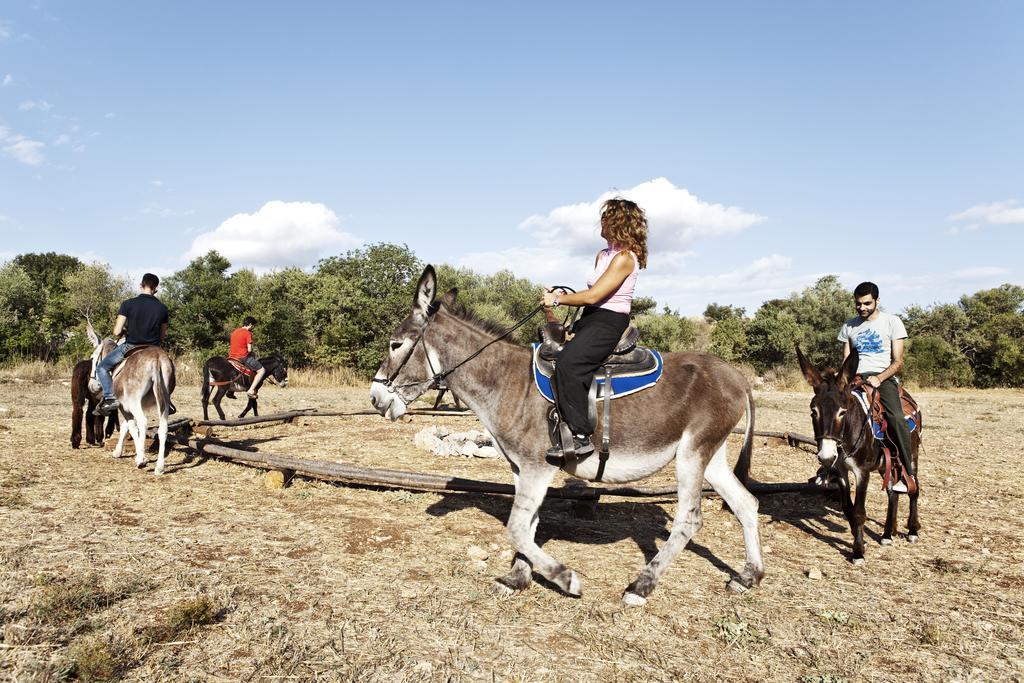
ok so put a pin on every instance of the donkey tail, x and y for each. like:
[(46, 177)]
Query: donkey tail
[(161, 391), (205, 389), (742, 469)]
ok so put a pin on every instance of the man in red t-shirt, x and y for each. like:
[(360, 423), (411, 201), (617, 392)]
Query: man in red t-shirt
[(241, 350)]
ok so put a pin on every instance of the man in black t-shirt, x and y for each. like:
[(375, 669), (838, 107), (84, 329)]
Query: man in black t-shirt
[(146, 320)]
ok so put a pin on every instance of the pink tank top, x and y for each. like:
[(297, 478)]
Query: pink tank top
[(621, 299)]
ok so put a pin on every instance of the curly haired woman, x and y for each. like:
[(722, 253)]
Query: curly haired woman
[(605, 317)]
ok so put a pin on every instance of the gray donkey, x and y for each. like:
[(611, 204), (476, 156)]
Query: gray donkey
[(686, 416), (144, 380)]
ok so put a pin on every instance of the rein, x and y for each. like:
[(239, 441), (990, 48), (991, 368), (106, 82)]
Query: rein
[(439, 377)]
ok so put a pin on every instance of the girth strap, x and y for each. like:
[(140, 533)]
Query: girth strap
[(606, 427)]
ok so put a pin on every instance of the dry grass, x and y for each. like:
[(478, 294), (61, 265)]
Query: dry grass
[(36, 371), (204, 574)]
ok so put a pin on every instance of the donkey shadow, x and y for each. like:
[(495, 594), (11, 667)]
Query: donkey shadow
[(645, 523), (819, 515)]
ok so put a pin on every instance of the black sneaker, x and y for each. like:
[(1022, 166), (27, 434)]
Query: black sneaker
[(106, 407), (581, 445)]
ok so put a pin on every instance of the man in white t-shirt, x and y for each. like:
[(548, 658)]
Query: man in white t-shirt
[(879, 339)]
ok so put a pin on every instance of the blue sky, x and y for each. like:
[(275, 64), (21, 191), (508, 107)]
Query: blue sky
[(770, 143)]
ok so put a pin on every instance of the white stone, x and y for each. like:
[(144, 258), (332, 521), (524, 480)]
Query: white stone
[(814, 574), (475, 552), (426, 441), (479, 565), (468, 449), (486, 452)]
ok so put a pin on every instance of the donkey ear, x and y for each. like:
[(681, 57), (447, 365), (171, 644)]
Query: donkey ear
[(849, 369), (423, 300), (93, 337), (811, 373), (449, 298)]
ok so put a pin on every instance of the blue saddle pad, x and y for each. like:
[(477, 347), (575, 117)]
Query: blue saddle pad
[(623, 385), (876, 428)]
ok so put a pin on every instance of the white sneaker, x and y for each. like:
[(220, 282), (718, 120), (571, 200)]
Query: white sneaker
[(900, 487)]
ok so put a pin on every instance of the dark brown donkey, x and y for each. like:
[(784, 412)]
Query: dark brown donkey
[(686, 417), (82, 394), (847, 447)]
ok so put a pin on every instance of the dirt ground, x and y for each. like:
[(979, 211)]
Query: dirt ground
[(205, 574)]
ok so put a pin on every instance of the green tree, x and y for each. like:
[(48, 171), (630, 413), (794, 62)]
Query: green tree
[(21, 309), (993, 341), (371, 290), (93, 294), (933, 361), (202, 304), (52, 318), (728, 339), (501, 298), (666, 331), (772, 335), (716, 312), (278, 301)]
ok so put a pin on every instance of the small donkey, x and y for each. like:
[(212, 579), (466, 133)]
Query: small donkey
[(847, 447)]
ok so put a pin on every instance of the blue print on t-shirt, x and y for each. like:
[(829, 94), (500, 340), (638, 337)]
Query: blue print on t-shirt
[(868, 341)]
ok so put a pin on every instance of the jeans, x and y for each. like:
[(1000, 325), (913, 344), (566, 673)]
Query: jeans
[(107, 365)]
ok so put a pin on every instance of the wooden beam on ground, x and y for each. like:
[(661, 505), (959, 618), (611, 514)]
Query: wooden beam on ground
[(335, 471), (790, 438), (274, 417)]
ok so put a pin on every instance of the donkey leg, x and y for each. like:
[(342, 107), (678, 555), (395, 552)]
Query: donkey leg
[(139, 437), (744, 506), (860, 516), (913, 525), (250, 405), (216, 401), (892, 507), (122, 433), (688, 520), (531, 487), (162, 436)]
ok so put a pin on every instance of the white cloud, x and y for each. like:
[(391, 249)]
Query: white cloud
[(110, 115), (567, 237), (280, 234), (29, 105), (980, 273), (675, 217), (61, 139), (7, 80), (156, 183), (20, 148), (5, 30), (997, 213)]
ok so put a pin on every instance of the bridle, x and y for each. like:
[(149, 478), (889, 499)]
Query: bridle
[(839, 439), (437, 377)]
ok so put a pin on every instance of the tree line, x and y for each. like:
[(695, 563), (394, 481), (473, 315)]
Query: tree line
[(342, 311)]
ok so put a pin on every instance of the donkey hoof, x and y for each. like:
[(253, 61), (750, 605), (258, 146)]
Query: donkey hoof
[(633, 600), (912, 538), (158, 471), (885, 541), (501, 590), (858, 562), (737, 587), (569, 582), (140, 463)]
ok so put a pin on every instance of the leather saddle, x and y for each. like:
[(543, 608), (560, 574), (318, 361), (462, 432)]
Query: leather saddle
[(241, 367), (627, 360)]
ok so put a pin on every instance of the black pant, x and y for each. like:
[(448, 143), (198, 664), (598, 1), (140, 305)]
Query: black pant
[(597, 333), (898, 429)]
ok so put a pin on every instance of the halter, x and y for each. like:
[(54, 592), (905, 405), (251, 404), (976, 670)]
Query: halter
[(438, 377), (839, 441)]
